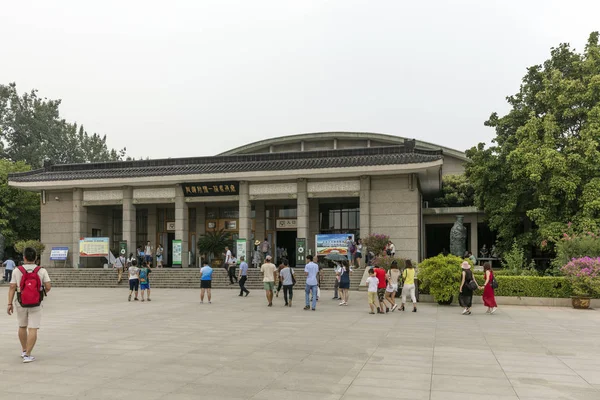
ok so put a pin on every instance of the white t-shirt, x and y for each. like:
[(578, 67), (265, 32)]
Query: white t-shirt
[(228, 257), (313, 270), (392, 248), (373, 283), (134, 273)]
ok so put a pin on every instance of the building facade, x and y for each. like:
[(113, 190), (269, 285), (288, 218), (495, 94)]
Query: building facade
[(280, 189)]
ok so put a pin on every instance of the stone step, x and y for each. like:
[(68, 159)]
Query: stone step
[(180, 278)]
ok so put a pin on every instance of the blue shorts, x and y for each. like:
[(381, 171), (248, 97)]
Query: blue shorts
[(144, 286), (148, 258)]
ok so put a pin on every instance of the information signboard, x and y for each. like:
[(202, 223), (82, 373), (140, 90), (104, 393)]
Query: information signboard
[(94, 247), (59, 253), (332, 242), (177, 250)]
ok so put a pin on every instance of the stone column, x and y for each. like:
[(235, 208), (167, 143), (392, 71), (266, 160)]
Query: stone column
[(129, 221), (152, 230), (245, 214), (260, 220), (313, 224), (365, 206), (200, 227), (79, 224), (181, 225), (303, 209), (474, 230)]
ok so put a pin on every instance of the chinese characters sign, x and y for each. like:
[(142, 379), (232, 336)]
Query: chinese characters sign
[(211, 189), (93, 247)]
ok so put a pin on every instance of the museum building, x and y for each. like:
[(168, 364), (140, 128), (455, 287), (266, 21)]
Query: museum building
[(281, 189)]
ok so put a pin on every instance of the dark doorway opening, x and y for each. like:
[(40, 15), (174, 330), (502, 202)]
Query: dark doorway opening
[(287, 241), (170, 238), (437, 237)]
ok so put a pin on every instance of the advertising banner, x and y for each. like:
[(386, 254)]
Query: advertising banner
[(177, 250), (123, 248), (94, 247), (332, 242), (59, 253)]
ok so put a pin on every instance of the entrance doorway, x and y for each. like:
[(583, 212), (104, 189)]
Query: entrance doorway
[(170, 238), (287, 240)]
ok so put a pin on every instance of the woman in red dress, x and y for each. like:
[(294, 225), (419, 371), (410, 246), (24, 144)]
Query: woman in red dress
[(489, 300)]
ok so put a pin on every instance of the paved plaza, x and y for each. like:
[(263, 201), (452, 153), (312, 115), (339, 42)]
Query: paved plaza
[(95, 345)]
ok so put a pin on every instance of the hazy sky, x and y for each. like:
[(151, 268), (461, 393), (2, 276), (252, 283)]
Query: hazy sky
[(186, 78)]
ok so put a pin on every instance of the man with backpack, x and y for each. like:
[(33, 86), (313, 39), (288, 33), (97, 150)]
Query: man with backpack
[(30, 282)]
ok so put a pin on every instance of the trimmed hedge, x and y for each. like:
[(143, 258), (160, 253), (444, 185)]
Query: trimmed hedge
[(529, 286)]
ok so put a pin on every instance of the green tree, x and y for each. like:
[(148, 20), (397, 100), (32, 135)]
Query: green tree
[(542, 168), (457, 191), (19, 210), (32, 130)]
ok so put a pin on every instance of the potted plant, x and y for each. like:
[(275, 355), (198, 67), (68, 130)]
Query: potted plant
[(441, 275), (584, 276), (213, 243), (376, 242)]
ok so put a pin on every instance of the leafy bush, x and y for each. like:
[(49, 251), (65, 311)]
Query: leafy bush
[(584, 275), (214, 242), (385, 261), (529, 286), (440, 276), (575, 245), (21, 245), (376, 242), (514, 262)]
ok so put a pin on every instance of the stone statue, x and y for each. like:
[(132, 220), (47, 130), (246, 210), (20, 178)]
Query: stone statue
[(483, 253), (494, 252), (458, 237)]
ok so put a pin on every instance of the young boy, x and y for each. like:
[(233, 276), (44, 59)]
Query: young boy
[(134, 279), (145, 279), (372, 283)]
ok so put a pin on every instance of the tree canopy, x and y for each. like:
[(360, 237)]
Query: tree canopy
[(457, 191), (31, 130), (543, 167), (19, 210)]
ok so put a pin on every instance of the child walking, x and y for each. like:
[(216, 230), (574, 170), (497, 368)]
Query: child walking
[(145, 279), (372, 283)]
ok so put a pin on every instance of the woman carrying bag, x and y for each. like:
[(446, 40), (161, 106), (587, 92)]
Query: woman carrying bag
[(467, 285)]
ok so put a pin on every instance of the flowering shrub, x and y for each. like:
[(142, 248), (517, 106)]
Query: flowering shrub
[(584, 275), (574, 244), (384, 261), (376, 242)]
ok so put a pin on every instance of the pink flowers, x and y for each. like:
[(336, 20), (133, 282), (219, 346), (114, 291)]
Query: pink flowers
[(584, 275)]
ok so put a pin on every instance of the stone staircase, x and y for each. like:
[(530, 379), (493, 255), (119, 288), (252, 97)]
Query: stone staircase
[(188, 278)]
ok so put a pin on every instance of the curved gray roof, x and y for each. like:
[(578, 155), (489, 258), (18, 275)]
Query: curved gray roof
[(317, 136)]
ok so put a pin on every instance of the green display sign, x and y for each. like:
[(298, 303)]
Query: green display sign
[(122, 248), (300, 251), (176, 251)]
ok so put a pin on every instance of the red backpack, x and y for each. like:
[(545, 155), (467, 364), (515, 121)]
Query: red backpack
[(31, 292)]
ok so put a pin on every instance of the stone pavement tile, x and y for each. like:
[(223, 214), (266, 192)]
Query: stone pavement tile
[(561, 381), (558, 393), (424, 367), (226, 389), (442, 395), (55, 389), (466, 384), (29, 396), (466, 369), (366, 392), (279, 394), (308, 383), (396, 381), (122, 394)]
